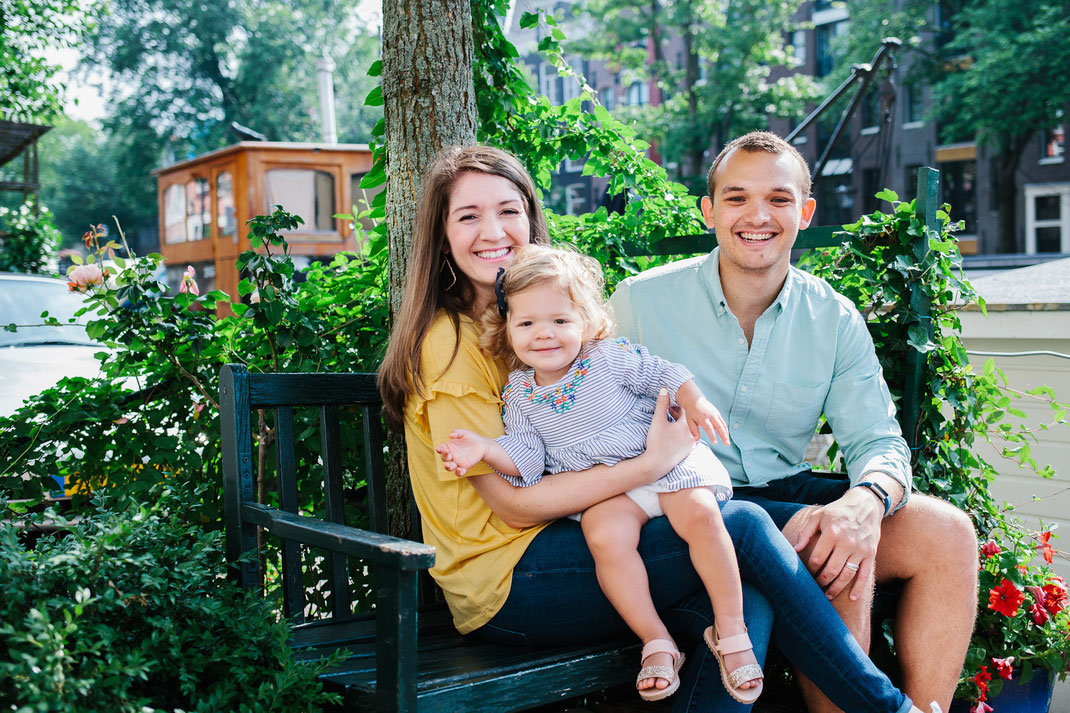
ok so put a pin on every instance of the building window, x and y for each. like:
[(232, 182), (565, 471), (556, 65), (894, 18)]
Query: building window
[(911, 179), (959, 180), (571, 88), (798, 46), (835, 200), (826, 125), (823, 37), (576, 199), (871, 186), (1054, 145), (606, 97), (871, 108), (362, 199), (1047, 218), (305, 193), (226, 219), (639, 94), (198, 210), (548, 81), (174, 214), (912, 106)]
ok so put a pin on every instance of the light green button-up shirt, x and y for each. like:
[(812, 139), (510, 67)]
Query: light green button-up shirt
[(811, 354)]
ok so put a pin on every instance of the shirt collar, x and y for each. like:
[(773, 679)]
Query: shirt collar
[(711, 275)]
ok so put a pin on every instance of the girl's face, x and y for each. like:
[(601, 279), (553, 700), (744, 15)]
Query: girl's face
[(485, 223), (545, 330)]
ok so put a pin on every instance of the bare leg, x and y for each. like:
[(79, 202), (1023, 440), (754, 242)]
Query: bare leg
[(931, 547), (696, 517), (611, 529)]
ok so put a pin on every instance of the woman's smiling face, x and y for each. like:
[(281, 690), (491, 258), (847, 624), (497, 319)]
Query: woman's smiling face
[(485, 223)]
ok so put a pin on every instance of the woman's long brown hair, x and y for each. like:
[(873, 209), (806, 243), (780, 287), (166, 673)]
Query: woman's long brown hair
[(429, 283)]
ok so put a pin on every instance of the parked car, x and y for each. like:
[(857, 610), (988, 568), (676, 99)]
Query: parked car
[(34, 358)]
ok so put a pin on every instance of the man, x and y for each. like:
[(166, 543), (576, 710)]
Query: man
[(775, 348)]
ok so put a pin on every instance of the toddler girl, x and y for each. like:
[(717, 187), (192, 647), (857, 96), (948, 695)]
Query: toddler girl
[(577, 398)]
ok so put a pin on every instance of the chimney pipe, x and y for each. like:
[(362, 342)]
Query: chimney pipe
[(324, 70)]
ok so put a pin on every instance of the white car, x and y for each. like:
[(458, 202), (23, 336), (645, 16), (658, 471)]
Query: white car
[(34, 358)]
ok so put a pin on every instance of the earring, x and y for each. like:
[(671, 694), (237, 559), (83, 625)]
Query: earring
[(453, 275)]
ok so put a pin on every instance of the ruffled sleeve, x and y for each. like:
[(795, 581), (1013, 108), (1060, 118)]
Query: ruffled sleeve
[(461, 390)]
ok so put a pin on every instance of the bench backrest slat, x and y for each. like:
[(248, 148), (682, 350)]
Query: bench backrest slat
[(293, 592), (375, 471), (331, 455)]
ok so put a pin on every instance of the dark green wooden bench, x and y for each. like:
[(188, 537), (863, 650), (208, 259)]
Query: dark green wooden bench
[(401, 656)]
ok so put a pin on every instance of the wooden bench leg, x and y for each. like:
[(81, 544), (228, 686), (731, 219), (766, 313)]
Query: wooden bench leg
[(395, 678)]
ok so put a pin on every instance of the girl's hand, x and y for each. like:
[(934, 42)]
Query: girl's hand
[(702, 414), (667, 442), (462, 451)]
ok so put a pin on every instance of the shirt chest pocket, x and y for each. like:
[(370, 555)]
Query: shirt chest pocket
[(794, 410)]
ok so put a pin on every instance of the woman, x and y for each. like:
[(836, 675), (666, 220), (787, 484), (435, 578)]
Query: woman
[(511, 569)]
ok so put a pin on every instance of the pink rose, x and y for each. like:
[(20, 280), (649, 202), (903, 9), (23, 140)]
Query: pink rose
[(82, 277)]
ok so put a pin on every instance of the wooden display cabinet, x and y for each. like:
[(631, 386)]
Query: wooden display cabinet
[(204, 204)]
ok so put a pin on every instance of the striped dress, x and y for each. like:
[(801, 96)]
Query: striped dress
[(599, 412)]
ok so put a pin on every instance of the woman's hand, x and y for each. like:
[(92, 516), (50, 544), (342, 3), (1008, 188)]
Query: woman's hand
[(667, 442)]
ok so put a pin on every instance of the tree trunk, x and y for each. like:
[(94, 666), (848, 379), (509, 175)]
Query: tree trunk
[(428, 102), (1006, 189)]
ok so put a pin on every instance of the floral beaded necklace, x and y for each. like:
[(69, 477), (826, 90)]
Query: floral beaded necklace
[(563, 397)]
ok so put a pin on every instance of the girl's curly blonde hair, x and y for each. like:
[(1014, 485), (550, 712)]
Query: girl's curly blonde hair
[(534, 265)]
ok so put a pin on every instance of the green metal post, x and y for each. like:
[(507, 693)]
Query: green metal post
[(928, 202)]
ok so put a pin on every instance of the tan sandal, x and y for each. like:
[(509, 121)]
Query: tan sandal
[(669, 673), (748, 672)]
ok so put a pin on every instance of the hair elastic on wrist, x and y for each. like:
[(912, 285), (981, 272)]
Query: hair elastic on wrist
[(503, 306)]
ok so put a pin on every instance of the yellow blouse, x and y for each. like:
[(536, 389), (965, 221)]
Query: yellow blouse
[(475, 550)]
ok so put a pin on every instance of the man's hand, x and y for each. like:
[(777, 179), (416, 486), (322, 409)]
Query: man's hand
[(700, 413), (844, 536), (462, 451)]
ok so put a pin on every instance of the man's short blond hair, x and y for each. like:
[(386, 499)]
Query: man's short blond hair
[(761, 141)]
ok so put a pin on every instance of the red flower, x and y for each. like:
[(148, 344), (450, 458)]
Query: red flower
[(1006, 598), (1045, 546), (1055, 596), (981, 679), (1040, 614), (1004, 667), (981, 707), (991, 549)]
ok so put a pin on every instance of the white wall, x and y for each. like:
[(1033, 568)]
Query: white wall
[(1032, 330)]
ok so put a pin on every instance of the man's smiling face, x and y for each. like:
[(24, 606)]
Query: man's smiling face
[(757, 209)]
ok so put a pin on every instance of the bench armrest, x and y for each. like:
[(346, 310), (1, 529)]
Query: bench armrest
[(393, 552)]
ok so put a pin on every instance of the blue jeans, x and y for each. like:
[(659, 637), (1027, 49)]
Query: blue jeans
[(555, 600)]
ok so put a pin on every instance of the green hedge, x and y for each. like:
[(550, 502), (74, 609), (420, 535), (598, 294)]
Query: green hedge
[(128, 611)]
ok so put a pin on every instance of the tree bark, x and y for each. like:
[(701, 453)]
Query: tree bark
[(1006, 188), (428, 103)]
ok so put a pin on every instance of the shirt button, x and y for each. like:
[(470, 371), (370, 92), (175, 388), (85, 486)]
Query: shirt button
[(735, 425), (742, 340), (742, 388)]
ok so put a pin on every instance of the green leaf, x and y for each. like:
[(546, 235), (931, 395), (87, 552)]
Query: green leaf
[(529, 20), (375, 97), (888, 195), (376, 69)]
